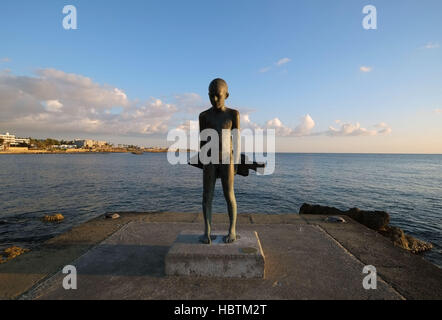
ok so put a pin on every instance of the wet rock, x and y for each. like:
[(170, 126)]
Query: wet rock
[(376, 220), (54, 218), (317, 209), (11, 253), (112, 215), (335, 219), (405, 241)]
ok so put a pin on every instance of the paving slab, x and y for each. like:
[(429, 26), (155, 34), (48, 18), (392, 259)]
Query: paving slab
[(410, 274), (277, 219), (171, 217), (302, 262)]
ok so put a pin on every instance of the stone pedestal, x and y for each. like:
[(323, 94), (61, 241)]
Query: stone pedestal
[(243, 258)]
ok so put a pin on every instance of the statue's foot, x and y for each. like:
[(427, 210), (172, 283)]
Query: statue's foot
[(205, 239), (231, 237)]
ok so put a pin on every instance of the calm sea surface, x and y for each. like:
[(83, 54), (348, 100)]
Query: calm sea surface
[(83, 186)]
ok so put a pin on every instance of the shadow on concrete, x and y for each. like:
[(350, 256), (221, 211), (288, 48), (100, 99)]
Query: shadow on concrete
[(103, 259), (123, 260)]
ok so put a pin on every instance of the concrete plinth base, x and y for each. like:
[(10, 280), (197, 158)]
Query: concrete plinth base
[(243, 258)]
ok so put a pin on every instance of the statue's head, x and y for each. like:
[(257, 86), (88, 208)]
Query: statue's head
[(218, 93)]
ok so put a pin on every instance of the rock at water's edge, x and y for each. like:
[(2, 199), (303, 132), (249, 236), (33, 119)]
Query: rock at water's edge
[(112, 215), (376, 220), (407, 242), (335, 219), (317, 209)]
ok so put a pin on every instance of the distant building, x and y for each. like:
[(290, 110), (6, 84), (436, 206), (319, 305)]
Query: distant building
[(12, 140), (64, 146), (100, 143), (22, 140), (87, 143), (7, 138)]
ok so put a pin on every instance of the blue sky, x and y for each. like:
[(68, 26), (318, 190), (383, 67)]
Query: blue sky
[(166, 50)]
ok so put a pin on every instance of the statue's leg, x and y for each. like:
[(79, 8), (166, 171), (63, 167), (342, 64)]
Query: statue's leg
[(227, 173), (209, 180)]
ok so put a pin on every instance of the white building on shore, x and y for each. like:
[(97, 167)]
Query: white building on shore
[(12, 140)]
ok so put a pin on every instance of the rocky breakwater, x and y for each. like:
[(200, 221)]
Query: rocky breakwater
[(376, 220)]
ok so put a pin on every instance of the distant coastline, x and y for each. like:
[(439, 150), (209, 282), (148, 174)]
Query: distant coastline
[(59, 152), (87, 151), (164, 150), (10, 144)]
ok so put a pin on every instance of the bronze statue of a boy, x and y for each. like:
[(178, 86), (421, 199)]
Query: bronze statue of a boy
[(219, 118)]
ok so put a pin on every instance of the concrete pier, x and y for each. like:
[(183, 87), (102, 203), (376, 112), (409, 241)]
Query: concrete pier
[(306, 258)]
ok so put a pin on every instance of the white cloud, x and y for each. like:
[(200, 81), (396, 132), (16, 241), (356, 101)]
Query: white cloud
[(437, 111), (53, 105), (302, 129), (349, 129), (190, 102), (55, 101), (305, 127), (384, 128), (266, 69), (278, 64), (246, 123), (283, 61), (431, 45), (120, 93), (280, 128), (365, 69), (307, 124), (188, 125)]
